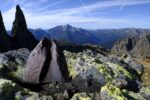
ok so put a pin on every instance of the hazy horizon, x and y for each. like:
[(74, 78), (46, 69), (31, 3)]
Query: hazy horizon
[(87, 14)]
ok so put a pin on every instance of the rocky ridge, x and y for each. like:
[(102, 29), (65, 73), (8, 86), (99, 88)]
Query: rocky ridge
[(137, 46), (92, 74)]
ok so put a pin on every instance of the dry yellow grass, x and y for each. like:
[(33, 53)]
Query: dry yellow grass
[(146, 74)]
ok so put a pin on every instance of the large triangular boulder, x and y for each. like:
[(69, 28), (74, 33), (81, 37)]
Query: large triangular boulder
[(46, 64), (23, 38), (4, 37)]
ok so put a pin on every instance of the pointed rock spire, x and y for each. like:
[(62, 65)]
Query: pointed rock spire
[(4, 37), (46, 63), (20, 33)]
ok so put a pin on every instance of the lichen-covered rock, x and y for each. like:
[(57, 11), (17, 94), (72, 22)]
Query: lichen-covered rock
[(120, 83), (111, 92), (12, 91), (37, 96), (81, 96), (134, 65), (145, 91), (8, 89), (12, 63), (130, 95), (88, 68)]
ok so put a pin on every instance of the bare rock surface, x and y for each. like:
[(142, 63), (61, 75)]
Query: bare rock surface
[(43, 65)]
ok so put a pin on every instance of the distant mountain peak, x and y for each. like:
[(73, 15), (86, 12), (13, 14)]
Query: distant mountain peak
[(68, 26), (65, 26)]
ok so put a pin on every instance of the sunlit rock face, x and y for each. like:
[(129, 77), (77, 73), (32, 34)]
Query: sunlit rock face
[(20, 33), (46, 63), (137, 46), (4, 37)]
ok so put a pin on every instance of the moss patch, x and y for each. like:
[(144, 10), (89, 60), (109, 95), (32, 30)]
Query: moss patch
[(118, 94), (105, 71), (113, 92), (9, 89), (120, 69), (134, 96), (81, 96)]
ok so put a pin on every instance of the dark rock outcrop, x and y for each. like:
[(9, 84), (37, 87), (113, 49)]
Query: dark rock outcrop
[(4, 37), (23, 38), (46, 63)]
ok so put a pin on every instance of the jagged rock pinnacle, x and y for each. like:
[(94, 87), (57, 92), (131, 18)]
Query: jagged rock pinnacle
[(4, 37), (20, 33), (2, 28)]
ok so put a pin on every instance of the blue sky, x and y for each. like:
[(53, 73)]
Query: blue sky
[(89, 14)]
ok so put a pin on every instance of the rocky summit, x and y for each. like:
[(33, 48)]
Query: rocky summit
[(93, 74), (5, 39), (22, 37)]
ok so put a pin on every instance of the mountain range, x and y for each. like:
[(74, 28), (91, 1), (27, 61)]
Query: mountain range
[(103, 37)]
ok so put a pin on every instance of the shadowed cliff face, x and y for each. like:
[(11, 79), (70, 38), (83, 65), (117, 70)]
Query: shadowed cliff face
[(21, 35), (43, 65), (4, 37)]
